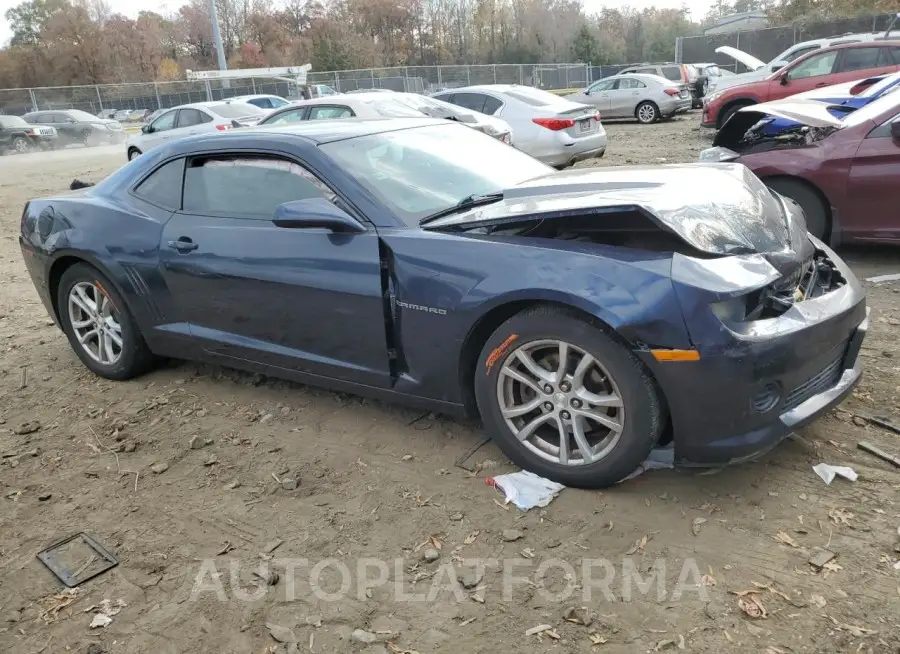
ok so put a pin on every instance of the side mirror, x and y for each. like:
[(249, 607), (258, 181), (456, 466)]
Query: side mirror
[(315, 212), (778, 65), (146, 129), (895, 130), (785, 78)]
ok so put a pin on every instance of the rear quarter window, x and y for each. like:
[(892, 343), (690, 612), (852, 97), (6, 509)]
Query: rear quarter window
[(163, 186), (672, 73)]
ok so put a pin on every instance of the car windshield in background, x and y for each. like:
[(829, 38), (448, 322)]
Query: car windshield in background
[(12, 121), (712, 71), (391, 107), (537, 97), (81, 116), (235, 110), (420, 171), (672, 73)]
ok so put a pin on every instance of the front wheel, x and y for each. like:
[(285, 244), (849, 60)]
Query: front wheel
[(100, 328), (566, 400), (21, 145), (133, 154), (647, 113)]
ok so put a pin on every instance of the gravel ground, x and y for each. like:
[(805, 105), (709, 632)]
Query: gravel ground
[(182, 474)]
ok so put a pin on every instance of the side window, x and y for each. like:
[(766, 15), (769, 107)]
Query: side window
[(61, 118), (190, 117), (473, 101), (446, 97), (491, 105), (292, 116), (858, 59), (895, 53), (672, 73), (648, 71), (325, 113), (603, 85), (815, 66), (247, 186), (799, 52), (163, 186), (164, 122), (262, 103), (277, 102), (883, 131), (630, 84), (885, 59)]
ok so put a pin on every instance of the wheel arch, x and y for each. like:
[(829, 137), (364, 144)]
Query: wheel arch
[(642, 103), (65, 260), (741, 100), (488, 322), (814, 188)]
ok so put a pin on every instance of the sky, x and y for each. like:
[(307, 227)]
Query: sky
[(698, 8)]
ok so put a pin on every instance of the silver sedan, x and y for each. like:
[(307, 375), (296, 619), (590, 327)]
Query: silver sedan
[(644, 97)]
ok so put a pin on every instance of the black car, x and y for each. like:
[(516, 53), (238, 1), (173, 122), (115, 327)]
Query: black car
[(21, 137), (76, 126)]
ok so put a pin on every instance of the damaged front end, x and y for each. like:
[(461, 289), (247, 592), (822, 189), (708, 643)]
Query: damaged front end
[(773, 126)]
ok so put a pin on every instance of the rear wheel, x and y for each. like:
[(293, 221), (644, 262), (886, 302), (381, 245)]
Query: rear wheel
[(647, 112), (133, 153), (566, 400), (85, 138), (101, 330), (817, 222)]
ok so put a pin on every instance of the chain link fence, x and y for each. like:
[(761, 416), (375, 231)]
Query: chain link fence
[(766, 44), (414, 79)]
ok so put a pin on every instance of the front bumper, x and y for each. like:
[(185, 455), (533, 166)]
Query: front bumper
[(808, 358)]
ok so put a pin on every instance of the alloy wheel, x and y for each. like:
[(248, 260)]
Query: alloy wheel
[(646, 113), (560, 402), (95, 323), (21, 145)]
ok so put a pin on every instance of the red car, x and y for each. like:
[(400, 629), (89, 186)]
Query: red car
[(835, 65), (844, 172)]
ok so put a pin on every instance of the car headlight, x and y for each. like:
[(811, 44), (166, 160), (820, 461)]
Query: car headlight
[(713, 96), (718, 154)]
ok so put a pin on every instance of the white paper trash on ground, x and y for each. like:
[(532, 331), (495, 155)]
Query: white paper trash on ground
[(881, 279), (828, 472), (525, 489)]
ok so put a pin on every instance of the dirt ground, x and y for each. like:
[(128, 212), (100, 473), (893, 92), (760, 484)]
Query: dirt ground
[(131, 464)]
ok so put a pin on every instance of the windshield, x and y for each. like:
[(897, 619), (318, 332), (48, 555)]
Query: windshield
[(81, 116), (390, 107), (236, 110), (423, 170), (889, 102), (538, 98), (13, 121)]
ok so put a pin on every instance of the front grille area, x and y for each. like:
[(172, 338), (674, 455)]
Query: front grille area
[(822, 381)]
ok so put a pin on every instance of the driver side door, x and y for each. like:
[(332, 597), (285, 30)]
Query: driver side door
[(872, 191), (808, 74), (307, 300), (597, 95), (160, 130)]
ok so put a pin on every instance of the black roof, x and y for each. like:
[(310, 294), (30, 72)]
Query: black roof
[(325, 131)]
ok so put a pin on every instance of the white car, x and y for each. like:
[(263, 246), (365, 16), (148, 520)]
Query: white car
[(554, 130), (190, 119), (382, 105), (760, 70), (261, 101)]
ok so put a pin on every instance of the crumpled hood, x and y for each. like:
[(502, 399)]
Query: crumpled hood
[(716, 208), (806, 111), (745, 58)]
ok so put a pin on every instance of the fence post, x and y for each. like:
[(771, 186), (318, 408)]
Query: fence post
[(521, 75), (34, 104), (495, 73), (440, 84), (372, 75), (468, 76), (738, 46), (337, 86), (253, 84), (208, 91), (156, 91), (679, 49), (99, 99)]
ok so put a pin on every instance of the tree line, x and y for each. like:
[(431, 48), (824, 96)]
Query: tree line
[(69, 42)]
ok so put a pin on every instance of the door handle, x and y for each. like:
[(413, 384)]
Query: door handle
[(821, 84), (183, 244)]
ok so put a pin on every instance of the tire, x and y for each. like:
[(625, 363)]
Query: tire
[(134, 357), (538, 332), (21, 145), (647, 112), (85, 138), (133, 153), (730, 111), (817, 220)]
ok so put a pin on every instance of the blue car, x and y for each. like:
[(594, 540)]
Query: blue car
[(585, 316), (844, 100)]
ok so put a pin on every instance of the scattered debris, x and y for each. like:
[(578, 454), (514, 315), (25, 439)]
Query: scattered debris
[(828, 472), (697, 524), (27, 428), (290, 482), (661, 458), (471, 578), (750, 604), (708, 579), (882, 279), (525, 489), (818, 600), (471, 537), (840, 516), (96, 553), (273, 545), (101, 620), (281, 634), (406, 457), (43, 497), (881, 422), (785, 539), (856, 632), (363, 636), (456, 517), (511, 535), (541, 628), (159, 468), (431, 555), (269, 579), (211, 460), (639, 545), (198, 442), (821, 557), (107, 610), (881, 454), (578, 615)]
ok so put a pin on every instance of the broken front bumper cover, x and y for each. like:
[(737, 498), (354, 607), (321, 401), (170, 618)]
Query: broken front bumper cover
[(758, 381)]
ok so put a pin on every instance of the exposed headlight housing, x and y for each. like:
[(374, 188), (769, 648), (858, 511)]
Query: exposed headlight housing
[(718, 154)]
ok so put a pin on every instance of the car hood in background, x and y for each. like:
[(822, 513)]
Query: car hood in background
[(745, 58), (735, 214), (806, 111)]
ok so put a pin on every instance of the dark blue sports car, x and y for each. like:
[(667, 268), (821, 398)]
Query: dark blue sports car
[(586, 315)]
